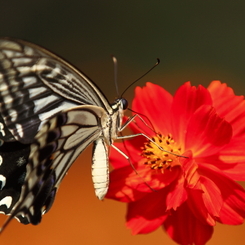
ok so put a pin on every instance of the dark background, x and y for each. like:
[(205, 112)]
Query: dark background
[(197, 41)]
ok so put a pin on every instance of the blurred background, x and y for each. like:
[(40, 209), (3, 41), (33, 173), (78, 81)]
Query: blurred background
[(197, 41)]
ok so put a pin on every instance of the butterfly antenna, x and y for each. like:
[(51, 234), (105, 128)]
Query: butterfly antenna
[(114, 59), (156, 64)]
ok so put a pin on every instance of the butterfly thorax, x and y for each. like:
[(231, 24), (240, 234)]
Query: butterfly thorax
[(114, 121)]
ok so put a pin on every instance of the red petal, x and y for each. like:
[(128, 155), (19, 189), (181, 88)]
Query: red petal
[(148, 214), (120, 185), (198, 207), (135, 128), (116, 159), (229, 216), (211, 196), (183, 227), (131, 148), (233, 195), (177, 194), (229, 106), (230, 160), (155, 103), (190, 167), (186, 101), (141, 225), (207, 133), (126, 185)]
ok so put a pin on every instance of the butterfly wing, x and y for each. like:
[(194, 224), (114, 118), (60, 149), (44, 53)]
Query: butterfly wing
[(12, 176), (56, 146), (35, 84)]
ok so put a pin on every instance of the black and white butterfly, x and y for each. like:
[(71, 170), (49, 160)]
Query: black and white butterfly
[(49, 113)]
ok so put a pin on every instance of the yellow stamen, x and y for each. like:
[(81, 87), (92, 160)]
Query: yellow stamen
[(159, 159)]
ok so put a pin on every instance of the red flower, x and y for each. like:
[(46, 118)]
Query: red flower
[(186, 195)]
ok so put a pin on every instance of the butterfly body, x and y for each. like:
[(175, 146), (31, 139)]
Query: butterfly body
[(50, 112)]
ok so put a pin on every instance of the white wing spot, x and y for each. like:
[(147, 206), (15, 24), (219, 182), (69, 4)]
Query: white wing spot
[(44, 116), (13, 114), (8, 99), (21, 61), (6, 201), (3, 180), (1, 129), (33, 92), (9, 53), (29, 81), (31, 209), (19, 129), (6, 64), (28, 51), (3, 85), (40, 103), (1, 160)]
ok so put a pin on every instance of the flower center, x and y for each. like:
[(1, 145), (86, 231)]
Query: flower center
[(159, 159)]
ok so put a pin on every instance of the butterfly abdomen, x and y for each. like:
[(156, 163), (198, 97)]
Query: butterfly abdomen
[(100, 168)]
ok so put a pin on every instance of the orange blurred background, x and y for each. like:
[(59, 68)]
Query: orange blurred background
[(198, 41), (78, 217)]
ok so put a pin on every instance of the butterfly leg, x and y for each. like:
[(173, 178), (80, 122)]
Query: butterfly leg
[(130, 120), (131, 164)]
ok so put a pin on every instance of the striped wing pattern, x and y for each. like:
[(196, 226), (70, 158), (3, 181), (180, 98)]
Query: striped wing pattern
[(35, 85), (57, 145), (49, 113)]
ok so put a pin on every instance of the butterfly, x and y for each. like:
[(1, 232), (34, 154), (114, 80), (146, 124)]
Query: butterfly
[(49, 113)]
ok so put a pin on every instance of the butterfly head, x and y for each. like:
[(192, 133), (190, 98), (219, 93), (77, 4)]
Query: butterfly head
[(118, 107), (120, 103)]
